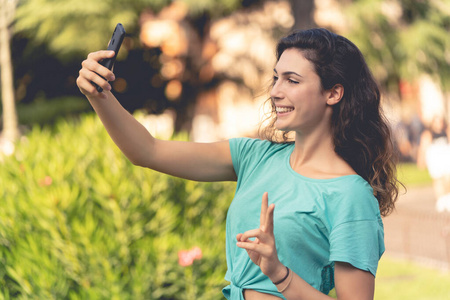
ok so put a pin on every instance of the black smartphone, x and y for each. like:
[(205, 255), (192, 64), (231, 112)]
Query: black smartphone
[(114, 44)]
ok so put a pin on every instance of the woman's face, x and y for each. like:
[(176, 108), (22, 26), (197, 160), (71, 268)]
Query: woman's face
[(300, 102)]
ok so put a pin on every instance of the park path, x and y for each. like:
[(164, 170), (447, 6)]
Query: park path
[(416, 231)]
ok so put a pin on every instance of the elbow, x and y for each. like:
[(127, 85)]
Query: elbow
[(137, 162), (140, 156)]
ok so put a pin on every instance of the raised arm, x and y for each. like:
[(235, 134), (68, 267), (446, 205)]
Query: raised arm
[(195, 161)]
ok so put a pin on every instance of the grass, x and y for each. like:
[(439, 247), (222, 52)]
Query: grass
[(399, 279), (403, 280), (411, 176)]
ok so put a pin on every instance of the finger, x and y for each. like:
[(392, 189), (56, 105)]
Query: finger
[(256, 247), (92, 64), (94, 77), (255, 241), (264, 204), (254, 233), (269, 219), (102, 54), (239, 236), (87, 88)]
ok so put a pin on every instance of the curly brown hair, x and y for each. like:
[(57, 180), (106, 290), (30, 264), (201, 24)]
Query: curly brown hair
[(361, 134)]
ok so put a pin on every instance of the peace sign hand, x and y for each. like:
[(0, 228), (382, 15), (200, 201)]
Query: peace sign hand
[(262, 250)]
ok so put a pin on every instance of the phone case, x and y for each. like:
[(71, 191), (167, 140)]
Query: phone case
[(114, 44)]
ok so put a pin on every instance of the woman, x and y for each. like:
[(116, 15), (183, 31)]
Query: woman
[(330, 185)]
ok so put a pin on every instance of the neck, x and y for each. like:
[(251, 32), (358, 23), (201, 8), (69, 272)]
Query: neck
[(312, 148), (314, 156)]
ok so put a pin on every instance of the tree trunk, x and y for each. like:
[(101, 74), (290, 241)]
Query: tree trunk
[(10, 122), (303, 12)]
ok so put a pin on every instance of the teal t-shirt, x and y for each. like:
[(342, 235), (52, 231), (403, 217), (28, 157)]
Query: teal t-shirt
[(316, 221)]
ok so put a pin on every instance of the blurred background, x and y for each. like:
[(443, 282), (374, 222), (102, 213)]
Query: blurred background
[(78, 221)]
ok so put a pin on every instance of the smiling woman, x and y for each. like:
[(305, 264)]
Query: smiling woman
[(299, 100), (324, 92), (360, 132), (319, 224)]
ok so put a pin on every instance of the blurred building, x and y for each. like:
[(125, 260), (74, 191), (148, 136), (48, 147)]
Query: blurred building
[(233, 66), (238, 51)]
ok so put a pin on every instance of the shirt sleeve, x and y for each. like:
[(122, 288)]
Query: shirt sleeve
[(246, 153), (357, 233), (359, 243), (237, 151)]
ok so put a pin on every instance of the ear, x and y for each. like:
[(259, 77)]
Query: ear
[(335, 94)]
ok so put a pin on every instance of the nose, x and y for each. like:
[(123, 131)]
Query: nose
[(275, 92)]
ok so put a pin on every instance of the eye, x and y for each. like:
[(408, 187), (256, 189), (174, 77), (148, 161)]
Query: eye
[(274, 80), (292, 81)]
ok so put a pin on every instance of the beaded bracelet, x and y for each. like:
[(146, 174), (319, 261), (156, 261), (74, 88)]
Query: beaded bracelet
[(287, 274)]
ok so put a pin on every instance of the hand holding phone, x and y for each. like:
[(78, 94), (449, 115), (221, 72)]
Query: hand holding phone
[(114, 45)]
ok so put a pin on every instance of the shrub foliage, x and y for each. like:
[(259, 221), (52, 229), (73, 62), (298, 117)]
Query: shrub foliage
[(79, 221)]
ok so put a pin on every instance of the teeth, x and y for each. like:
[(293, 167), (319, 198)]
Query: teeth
[(284, 109)]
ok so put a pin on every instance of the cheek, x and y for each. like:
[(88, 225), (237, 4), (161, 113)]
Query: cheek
[(308, 99)]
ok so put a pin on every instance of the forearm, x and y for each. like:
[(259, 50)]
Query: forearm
[(128, 134), (295, 288), (351, 284), (299, 289)]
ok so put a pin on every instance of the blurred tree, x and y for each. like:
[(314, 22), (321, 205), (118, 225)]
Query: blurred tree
[(303, 11), (10, 123), (75, 27), (402, 39), (80, 26)]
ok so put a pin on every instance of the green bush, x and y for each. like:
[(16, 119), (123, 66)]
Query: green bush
[(78, 221), (46, 111)]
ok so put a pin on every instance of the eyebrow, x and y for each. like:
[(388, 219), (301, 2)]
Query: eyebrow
[(287, 73)]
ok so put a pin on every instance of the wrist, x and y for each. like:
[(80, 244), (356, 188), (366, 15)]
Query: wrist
[(98, 98), (279, 274)]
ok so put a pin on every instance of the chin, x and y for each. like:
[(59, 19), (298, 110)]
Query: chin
[(282, 127)]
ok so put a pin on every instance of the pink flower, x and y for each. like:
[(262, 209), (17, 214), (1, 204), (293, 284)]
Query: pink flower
[(184, 258), (197, 252), (187, 257), (46, 181)]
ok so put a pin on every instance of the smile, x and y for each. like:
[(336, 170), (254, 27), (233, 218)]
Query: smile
[(283, 109)]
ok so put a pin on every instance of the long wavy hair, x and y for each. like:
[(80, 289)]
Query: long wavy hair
[(361, 134)]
